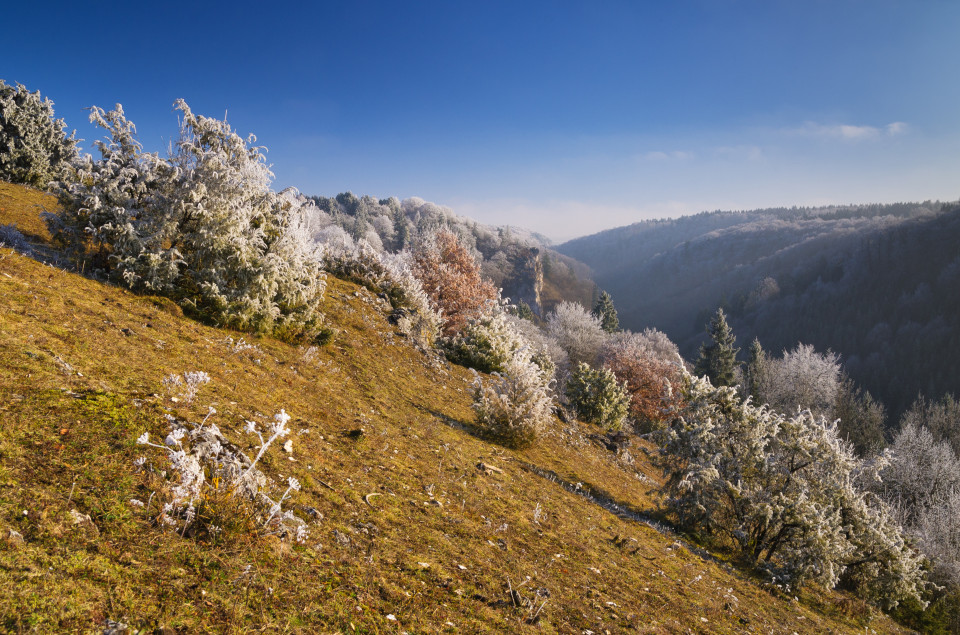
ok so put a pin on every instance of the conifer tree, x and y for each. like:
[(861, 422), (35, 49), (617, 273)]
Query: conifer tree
[(718, 358), (606, 313), (756, 364)]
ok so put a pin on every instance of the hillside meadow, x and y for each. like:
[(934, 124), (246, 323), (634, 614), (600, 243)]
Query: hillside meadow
[(417, 523)]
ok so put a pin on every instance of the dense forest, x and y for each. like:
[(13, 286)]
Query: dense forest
[(517, 260), (875, 283)]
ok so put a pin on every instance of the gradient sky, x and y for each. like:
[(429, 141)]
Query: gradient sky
[(564, 117)]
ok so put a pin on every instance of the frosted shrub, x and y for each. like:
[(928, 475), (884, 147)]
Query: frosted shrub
[(787, 493), (514, 405), (202, 226), (486, 343), (578, 332), (34, 147), (392, 275), (597, 397), (545, 351), (11, 238)]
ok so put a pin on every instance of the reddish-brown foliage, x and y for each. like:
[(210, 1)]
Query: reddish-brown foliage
[(651, 382), (451, 277)]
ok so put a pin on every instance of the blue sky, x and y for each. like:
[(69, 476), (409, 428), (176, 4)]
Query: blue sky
[(564, 117)]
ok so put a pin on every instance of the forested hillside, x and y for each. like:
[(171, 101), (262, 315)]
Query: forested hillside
[(876, 283), (519, 261)]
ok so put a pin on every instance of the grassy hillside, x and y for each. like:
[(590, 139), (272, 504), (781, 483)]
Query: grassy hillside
[(417, 523)]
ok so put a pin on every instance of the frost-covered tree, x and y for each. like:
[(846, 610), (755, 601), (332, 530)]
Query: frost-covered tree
[(202, 226), (718, 357), (650, 370), (34, 146), (451, 277), (786, 493), (862, 420), (922, 482), (800, 379), (941, 418), (576, 331), (515, 405), (754, 370), (604, 311), (598, 397)]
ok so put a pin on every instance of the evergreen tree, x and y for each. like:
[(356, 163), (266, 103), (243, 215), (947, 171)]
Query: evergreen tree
[(756, 364), (604, 311), (523, 311), (718, 358)]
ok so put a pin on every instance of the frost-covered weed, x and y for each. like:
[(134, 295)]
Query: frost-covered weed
[(240, 345), (209, 468), (184, 387)]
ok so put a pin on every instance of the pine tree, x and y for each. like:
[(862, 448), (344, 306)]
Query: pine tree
[(718, 358), (756, 364), (523, 311), (606, 313)]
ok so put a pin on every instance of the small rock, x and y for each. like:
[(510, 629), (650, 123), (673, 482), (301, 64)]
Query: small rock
[(15, 538), (288, 446), (83, 520)]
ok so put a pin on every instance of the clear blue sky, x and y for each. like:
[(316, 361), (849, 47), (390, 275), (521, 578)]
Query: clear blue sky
[(565, 117)]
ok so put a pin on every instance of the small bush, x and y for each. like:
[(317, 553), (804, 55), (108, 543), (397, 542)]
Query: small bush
[(11, 237), (597, 396), (486, 343), (514, 405)]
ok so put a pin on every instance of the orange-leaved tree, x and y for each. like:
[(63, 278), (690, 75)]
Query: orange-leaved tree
[(652, 376), (451, 278)]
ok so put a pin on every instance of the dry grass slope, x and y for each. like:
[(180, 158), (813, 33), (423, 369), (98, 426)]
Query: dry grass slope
[(407, 533)]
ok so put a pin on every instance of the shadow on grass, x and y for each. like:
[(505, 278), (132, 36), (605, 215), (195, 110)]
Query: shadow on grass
[(472, 429)]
